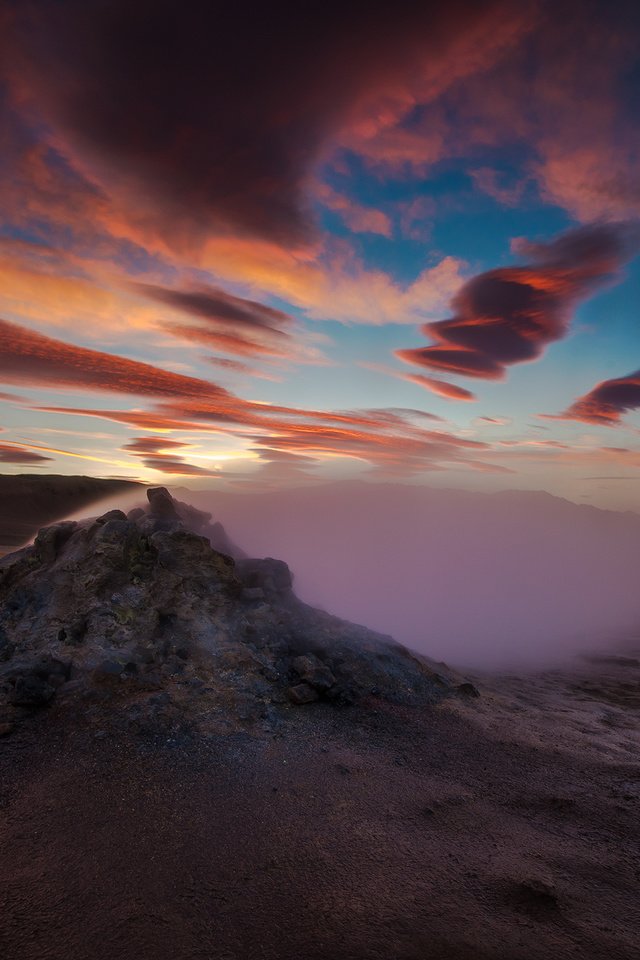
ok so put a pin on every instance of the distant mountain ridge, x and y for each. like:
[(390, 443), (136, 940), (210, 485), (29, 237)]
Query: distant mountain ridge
[(29, 501)]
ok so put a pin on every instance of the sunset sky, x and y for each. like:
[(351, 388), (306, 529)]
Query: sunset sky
[(277, 244)]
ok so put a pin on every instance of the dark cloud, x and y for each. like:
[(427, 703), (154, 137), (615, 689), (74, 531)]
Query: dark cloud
[(211, 116), (606, 403), (18, 454), (220, 308), (511, 315)]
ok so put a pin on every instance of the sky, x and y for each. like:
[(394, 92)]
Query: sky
[(260, 246)]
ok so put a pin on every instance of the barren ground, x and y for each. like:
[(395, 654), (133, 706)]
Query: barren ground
[(499, 828)]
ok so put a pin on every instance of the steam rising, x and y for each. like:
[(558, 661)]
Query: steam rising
[(510, 579), (478, 580)]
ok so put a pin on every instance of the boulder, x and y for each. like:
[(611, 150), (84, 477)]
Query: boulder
[(313, 672)]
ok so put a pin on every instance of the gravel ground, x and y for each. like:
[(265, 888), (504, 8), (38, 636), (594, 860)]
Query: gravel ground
[(499, 828)]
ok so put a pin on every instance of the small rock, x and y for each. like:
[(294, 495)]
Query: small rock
[(6, 729), (537, 896), (74, 634), (50, 540), (314, 672), (302, 693), (273, 576), (161, 504), (468, 690), (112, 515), (32, 691)]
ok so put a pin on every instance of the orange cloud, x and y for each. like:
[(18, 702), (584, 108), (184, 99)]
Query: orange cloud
[(31, 358)]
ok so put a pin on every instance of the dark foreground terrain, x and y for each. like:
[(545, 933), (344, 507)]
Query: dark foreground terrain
[(195, 765), (463, 830)]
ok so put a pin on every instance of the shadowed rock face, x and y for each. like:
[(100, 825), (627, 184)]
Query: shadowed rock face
[(162, 506), (141, 608)]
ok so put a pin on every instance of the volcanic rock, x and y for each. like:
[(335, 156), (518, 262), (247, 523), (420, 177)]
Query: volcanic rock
[(125, 605), (313, 672)]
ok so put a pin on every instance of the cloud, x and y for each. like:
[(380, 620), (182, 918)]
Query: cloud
[(492, 421), (446, 390), (236, 366), (512, 116), (220, 308), (440, 387), (386, 439), (159, 453), (208, 119), (229, 342), (9, 453), (606, 404), (34, 359), (359, 218), (510, 315), (140, 419), (13, 398)]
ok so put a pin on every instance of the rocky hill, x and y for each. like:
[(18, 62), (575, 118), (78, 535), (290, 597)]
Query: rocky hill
[(143, 608)]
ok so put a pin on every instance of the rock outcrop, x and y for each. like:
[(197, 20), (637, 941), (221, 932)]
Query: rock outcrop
[(147, 609)]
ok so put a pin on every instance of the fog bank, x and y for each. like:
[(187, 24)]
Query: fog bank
[(479, 580)]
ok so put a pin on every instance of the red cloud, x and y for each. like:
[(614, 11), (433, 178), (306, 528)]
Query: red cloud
[(388, 439), (512, 314), (18, 454), (606, 403), (31, 358), (381, 436)]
